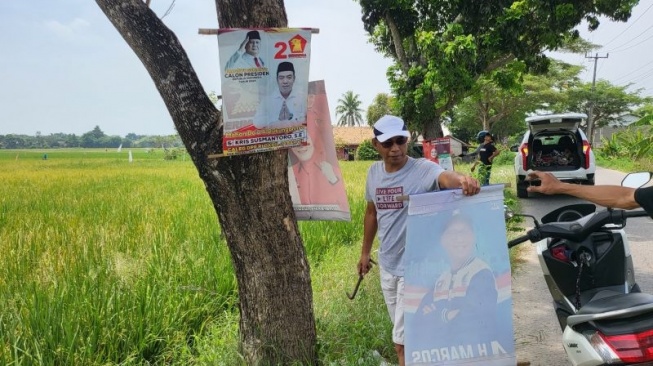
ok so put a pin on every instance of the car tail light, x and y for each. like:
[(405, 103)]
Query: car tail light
[(524, 155), (586, 150), (631, 348)]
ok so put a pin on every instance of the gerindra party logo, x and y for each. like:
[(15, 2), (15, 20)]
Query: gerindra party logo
[(297, 46)]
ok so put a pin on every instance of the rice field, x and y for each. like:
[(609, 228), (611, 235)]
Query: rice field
[(109, 262)]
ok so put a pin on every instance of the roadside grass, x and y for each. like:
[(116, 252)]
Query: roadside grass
[(624, 164), (106, 262)]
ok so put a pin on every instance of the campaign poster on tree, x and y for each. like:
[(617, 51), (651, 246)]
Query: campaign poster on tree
[(458, 301), (316, 183), (264, 75)]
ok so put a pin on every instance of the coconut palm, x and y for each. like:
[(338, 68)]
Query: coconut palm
[(349, 110)]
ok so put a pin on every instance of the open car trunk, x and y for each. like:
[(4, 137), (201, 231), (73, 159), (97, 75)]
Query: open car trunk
[(555, 151)]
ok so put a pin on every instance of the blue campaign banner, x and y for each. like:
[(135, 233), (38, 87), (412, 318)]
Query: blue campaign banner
[(458, 301)]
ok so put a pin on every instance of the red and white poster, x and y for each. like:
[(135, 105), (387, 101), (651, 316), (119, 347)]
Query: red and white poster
[(264, 75), (439, 151), (316, 183)]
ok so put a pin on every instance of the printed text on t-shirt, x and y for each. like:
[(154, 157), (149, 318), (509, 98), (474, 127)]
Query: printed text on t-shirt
[(386, 198)]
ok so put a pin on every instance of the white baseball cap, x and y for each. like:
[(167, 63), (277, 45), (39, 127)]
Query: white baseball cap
[(390, 126)]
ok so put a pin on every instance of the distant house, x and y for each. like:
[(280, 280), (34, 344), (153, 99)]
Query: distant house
[(348, 139), (607, 131)]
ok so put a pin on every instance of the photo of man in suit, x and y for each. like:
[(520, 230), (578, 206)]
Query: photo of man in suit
[(247, 55), (285, 107)]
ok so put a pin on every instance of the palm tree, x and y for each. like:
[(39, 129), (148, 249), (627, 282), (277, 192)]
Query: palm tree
[(349, 110)]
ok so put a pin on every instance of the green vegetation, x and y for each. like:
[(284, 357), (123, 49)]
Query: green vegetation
[(95, 138), (349, 109), (106, 262), (366, 151)]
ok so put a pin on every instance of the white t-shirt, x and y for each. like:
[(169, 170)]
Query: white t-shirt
[(382, 188)]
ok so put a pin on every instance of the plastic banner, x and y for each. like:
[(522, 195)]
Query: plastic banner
[(264, 88), (439, 151), (458, 301), (316, 185)]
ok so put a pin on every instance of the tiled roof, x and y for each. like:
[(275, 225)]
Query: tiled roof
[(352, 135)]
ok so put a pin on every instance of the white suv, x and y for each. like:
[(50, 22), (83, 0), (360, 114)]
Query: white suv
[(555, 144)]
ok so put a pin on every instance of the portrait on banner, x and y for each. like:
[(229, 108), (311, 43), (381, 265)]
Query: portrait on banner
[(458, 302), (316, 184)]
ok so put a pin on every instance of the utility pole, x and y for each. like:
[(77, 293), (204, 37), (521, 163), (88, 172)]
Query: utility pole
[(590, 115)]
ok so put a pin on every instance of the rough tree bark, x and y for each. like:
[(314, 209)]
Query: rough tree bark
[(249, 193)]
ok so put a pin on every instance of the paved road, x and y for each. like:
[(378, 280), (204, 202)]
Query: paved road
[(537, 333)]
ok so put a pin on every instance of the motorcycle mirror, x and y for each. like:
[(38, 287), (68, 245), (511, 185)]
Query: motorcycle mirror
[(636, 180)]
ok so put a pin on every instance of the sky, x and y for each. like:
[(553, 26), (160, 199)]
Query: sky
[(64, 68)]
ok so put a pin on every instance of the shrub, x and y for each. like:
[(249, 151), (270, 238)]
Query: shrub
[(366, 151), (506, 157)]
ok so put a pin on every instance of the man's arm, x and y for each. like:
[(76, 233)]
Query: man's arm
[(370, 226), (449, 179), (608, 196), (231, 64)]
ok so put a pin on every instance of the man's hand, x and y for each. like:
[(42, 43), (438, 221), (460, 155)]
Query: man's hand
[(549, 184), (469, 185), (364, 265), (242, 45)]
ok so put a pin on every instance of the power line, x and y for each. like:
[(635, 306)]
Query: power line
[(632, 39), (639, 78), (630, 25), (632, 72)]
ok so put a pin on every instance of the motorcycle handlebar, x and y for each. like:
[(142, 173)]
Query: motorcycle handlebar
[(579, 229), (519, 240), (638, 213)]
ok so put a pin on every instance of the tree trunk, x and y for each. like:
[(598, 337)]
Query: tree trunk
[(249, 193)]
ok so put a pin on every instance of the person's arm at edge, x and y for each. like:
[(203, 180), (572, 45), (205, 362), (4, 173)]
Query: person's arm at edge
[(607, 196), (449, 179), (370, 226)]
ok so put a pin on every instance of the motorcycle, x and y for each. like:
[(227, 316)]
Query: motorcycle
[(588, 268)]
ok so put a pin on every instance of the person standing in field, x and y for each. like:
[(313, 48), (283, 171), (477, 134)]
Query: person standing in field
[(486, 153), (386, 213)]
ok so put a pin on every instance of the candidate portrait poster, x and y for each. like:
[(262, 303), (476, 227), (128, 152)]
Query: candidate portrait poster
[(316, 184), (264, 74), (458, 301)]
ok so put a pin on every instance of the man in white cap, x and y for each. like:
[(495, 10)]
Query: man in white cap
[(398, 174)]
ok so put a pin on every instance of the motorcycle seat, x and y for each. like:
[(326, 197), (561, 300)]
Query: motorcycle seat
[(612, 305), (605, 301)]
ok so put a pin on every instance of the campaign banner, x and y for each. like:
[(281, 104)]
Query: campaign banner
[(439, 151), (458, 301), (264, 75), (316, 184)]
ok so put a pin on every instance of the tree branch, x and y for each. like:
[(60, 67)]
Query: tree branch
[(397, 41)]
